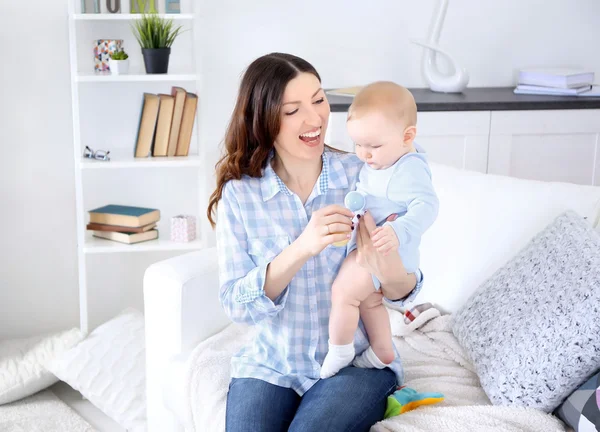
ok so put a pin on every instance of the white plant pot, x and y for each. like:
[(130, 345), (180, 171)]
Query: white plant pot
[(118, 67)]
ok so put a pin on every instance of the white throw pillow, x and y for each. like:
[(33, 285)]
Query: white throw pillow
[(22, 371), (108, 369), (484, 220)]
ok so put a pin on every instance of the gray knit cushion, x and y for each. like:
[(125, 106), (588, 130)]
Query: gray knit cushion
[(533, 329)]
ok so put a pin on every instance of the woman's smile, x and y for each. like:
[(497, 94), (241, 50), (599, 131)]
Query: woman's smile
[(311, 138)]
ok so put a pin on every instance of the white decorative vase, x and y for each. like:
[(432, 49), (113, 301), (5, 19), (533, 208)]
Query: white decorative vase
[(453, 82), (118, 67)]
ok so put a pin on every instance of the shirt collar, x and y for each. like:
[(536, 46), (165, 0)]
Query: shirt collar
[(333, 176)]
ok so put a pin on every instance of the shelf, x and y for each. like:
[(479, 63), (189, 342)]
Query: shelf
[(124, 17), (85, 85), (140, 77), (149, 162), (95, 245)]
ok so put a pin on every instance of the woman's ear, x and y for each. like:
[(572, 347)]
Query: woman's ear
[(409, 135)]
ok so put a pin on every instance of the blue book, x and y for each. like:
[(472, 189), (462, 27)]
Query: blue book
[(127, 216)]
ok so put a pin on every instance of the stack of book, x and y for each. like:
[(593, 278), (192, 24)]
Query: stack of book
[(556, 82), (125, 224), (166, 124)]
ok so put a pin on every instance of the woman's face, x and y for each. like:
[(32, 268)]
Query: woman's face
[(304, 116)]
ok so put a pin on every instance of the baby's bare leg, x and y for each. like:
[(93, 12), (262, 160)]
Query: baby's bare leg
[(377, 323), (352, 285)]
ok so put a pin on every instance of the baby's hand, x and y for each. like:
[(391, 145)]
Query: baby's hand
[(385, 239)]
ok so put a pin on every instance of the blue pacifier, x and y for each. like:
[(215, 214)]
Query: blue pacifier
[(355, 202)]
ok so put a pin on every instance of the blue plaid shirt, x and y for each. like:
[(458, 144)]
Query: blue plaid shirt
[(257, 219)]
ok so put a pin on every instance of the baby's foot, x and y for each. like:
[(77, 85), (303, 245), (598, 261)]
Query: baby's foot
[(338, 357), (369, 360)]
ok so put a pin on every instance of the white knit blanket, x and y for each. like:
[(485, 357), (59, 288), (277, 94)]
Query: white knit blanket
[(433, 362)]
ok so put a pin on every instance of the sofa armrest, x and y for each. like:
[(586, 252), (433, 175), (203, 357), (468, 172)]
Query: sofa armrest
[(181, 304)]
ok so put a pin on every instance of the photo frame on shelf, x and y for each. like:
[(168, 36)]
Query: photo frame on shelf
[(103, 49)]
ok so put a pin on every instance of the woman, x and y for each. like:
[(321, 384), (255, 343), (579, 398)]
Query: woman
[(279, 194)]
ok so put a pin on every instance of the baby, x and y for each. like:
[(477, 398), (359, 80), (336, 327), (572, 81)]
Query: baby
[(395, 179)]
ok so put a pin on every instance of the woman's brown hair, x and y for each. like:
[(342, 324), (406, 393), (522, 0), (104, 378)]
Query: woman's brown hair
[(256, 119)]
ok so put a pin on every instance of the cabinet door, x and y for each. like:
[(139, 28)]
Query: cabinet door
[(553, 145), (459, 139), (337, 135), (456, 138)]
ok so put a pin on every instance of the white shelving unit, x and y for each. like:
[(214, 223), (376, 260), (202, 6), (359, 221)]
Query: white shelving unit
[(106, 111), (132, 162), (94, 245), (125, 16), (135, 77)]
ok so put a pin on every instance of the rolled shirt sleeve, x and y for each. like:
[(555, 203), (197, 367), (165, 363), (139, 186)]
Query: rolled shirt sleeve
[(242, 282)]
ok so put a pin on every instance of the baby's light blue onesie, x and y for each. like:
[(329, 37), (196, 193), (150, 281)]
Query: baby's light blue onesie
[(406, 189)]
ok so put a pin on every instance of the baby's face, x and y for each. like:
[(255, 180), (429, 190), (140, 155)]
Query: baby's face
[(379, 141)]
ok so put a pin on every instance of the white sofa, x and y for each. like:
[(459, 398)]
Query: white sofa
[(182, 308), (483, 221)]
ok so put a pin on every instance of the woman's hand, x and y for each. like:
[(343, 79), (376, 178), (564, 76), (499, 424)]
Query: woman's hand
[(328, 225), (395, 282), (366, 253)]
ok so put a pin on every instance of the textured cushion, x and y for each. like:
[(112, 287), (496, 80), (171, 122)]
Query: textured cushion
[(22, 371), (484, 220), (581, 410), (108, 369), (532, 329)]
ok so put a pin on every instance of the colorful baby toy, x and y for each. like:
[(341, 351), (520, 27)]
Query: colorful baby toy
[(406, 399)]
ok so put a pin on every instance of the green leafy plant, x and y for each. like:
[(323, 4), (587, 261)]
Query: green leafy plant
[(119, 55), (152, 31)]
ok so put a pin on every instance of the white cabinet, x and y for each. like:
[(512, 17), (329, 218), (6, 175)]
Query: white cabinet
[(553, 145), (337, 135), (459, 139), (454, 138), (548, 145)]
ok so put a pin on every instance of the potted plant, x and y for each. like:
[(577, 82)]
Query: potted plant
[(155, 36), (118, 63)]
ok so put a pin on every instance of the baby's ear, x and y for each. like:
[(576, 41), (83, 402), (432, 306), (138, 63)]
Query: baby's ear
[(409, 135)]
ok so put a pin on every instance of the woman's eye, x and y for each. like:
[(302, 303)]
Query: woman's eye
[(292, 112), (320, 101), (357, 144)]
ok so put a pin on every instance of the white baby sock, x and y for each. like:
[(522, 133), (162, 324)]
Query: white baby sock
[(369, 360), (338, 357)]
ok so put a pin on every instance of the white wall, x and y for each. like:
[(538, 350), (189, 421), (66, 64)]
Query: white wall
[(349, 42), (38, 257), (353, 42)]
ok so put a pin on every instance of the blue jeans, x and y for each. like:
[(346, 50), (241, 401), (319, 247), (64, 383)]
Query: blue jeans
[(353, 400)]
